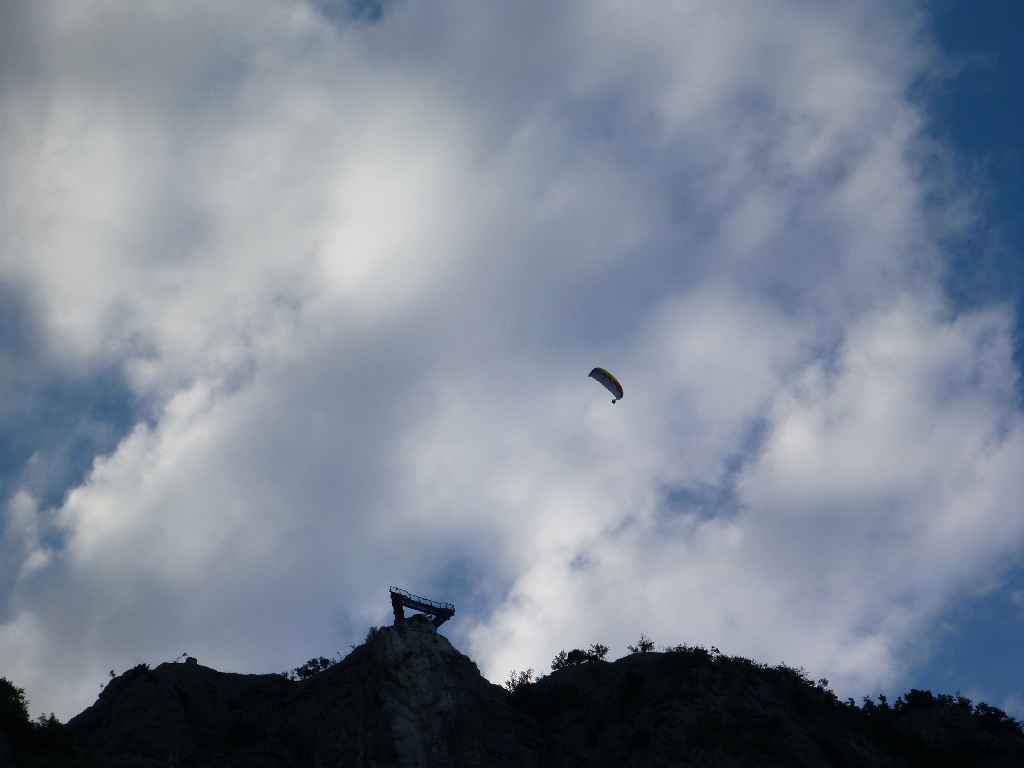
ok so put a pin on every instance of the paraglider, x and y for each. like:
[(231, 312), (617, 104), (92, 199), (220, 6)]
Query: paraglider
[(610, 383)]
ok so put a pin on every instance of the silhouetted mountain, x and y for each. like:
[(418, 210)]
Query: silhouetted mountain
[(408, 698)]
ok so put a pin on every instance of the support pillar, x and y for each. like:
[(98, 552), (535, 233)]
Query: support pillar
[(396, 604)]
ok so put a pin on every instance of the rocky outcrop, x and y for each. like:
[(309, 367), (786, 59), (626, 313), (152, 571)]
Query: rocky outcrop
[(408, 698), (405, 698)]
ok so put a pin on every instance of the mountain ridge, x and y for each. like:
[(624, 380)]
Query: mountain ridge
[(407, 697)]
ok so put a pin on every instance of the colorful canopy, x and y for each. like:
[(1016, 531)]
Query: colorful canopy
[(610, 382)]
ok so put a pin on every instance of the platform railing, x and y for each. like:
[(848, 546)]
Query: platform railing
[(422, 600), (401, 599)]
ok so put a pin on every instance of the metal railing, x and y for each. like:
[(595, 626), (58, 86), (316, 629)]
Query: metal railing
[(422, 600)]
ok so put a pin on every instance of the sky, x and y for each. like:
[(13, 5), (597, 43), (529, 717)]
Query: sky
[(298, 300)]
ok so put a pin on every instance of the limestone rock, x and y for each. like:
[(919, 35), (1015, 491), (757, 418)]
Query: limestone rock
[(405, 698)]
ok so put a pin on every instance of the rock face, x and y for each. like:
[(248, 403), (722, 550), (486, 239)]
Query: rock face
[(405, 698), (408, 698)]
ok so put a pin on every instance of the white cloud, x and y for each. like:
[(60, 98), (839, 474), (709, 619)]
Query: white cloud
[(357, 274), (883, 486)]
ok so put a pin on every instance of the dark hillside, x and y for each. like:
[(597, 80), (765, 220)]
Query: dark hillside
[(408, 698), (687, 706), (403, 698)]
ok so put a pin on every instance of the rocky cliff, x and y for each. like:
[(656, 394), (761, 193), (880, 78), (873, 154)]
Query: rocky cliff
[(405, 698), (408, 698)]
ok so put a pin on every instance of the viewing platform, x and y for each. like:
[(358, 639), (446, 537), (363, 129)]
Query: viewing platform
[(438, 611)]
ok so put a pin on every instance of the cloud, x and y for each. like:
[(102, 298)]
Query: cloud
[(882, 485), (351, 273)]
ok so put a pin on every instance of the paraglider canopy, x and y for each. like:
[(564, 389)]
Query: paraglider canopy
[(610, 382)]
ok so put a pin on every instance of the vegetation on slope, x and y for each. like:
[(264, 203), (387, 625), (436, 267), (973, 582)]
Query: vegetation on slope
[(682, 705), (693, 703), (44, 735)]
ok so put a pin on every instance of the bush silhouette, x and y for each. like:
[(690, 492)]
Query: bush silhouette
[(517, 680), (643, 645), (14, 718), (45, 732), (597, 652), (312, 667)]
